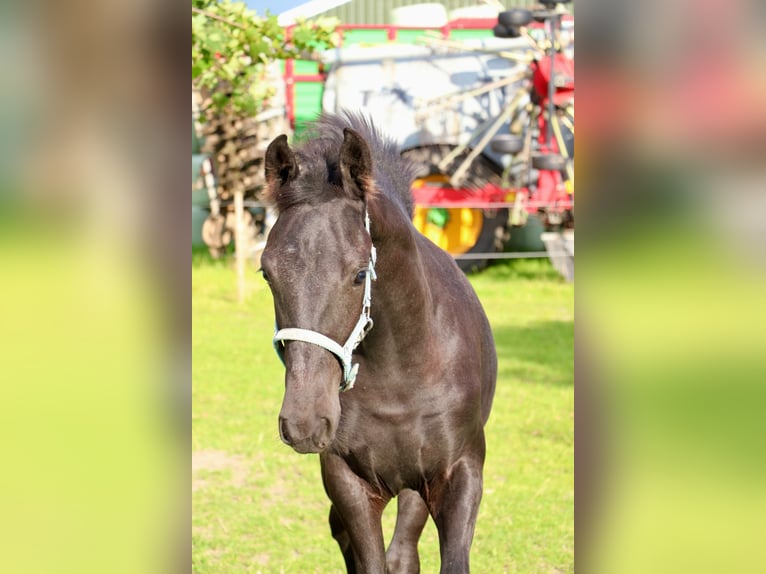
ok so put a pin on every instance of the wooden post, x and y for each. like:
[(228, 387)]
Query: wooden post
[(240, 243)]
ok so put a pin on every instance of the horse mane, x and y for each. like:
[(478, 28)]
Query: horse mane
[(318, 151)]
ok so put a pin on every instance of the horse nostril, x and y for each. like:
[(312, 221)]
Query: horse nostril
[(323, 437), (284, 434)]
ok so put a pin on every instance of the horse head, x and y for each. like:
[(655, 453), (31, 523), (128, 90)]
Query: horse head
[(318, 262)]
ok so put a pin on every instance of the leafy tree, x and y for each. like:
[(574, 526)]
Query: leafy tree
[(231, 46)]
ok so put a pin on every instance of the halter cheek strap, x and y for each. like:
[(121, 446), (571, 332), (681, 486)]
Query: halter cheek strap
[(362, 327)]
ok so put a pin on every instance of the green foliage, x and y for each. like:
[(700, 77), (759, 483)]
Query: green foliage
[(231, 47), (260, 507)]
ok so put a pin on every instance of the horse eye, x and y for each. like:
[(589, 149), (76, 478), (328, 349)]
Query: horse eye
[(265, 276), (360, 277)]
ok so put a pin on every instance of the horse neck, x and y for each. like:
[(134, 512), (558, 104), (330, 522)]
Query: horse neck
[(401, 306)]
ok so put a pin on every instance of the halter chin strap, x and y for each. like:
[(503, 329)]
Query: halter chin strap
[(362, 327)]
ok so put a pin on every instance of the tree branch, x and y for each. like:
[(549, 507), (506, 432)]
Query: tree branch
[(219, 18)]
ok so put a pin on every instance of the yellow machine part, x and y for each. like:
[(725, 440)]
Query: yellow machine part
[(463, 226)]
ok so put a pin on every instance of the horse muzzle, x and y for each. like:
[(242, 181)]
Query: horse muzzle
[(310, 411), (306, 436)]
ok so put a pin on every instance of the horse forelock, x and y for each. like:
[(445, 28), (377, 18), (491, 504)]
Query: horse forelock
[(318, 155)]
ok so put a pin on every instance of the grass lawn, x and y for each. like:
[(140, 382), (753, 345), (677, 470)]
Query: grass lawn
[(260, 507)]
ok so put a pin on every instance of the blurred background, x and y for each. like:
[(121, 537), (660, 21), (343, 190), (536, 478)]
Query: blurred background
[(670, 298), (94, 320)]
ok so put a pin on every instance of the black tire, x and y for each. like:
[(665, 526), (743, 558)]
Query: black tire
[(492, 235), (501, 31), (549, 162), (515, 17), (507, 144)]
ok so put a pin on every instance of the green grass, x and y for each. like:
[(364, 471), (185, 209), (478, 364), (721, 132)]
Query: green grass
[(260, 507)]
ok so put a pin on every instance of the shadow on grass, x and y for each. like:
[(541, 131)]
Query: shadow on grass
[(540, 353), (530, 269)]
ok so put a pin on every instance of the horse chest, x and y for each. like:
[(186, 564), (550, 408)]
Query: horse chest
[(394, 449)]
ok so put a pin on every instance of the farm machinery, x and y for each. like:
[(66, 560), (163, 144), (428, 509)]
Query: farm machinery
[(489, 120)]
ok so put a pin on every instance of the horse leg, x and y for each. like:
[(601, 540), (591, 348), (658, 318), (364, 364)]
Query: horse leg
[(358, 509), (341, 537), (453, 499), (411, 516)]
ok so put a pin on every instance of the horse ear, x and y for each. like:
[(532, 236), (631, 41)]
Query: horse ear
[(356, 164), (280, 164)]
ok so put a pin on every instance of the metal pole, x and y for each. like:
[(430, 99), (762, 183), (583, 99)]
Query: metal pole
[(551, 87)]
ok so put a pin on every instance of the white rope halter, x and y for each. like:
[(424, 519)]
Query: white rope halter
[(363, 326)]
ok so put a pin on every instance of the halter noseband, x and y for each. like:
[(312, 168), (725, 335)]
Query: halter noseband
[(363, 326)]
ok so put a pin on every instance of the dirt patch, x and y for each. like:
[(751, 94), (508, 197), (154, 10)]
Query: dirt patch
[(204, 461)]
